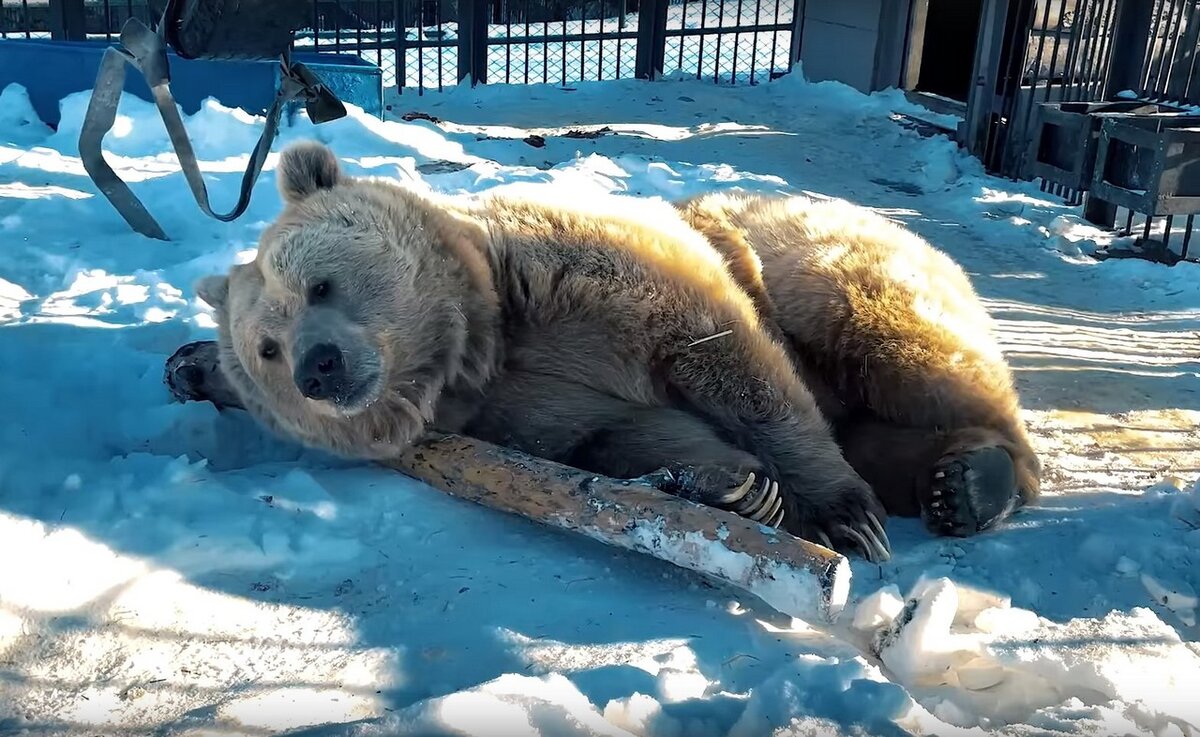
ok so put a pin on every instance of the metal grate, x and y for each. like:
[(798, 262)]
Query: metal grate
[(432, 44), (1055, 51), (1083, 51), (734, 41), (1169, 65), (538, 43)]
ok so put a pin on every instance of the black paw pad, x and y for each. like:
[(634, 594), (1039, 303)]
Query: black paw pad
[(193, 375), (970, 492)]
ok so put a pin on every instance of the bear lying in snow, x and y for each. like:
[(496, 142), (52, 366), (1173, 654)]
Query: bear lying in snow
[(889, 335), (608, 336)]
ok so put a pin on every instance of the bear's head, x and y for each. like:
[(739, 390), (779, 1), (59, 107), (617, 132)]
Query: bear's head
[(364, 302)]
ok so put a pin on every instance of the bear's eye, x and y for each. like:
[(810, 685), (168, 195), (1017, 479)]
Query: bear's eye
[(268, 349), (319, 291)]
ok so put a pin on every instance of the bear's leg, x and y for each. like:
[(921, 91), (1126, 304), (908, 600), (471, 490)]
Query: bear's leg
[(746, 385), (669, 449), (960, 482), (679, 453)]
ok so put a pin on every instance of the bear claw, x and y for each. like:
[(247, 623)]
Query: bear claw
[(971, 492)]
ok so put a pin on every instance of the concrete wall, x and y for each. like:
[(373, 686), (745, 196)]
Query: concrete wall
[(857, 42)]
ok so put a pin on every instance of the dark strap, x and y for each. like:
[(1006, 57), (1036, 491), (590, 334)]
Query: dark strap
[(146, 50)]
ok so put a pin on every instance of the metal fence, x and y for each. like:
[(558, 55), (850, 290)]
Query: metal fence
[(1084, 50), (432, 44)]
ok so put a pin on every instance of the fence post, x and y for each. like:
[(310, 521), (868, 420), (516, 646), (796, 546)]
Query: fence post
[(651, 39), (1130, 38), (472, 41), (67, 20), (798, 12)]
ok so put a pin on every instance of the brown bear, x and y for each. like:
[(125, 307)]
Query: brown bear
[(606, 334), (893, 341)]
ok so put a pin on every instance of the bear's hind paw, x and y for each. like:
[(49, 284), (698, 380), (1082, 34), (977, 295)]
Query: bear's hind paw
[(970, 492)]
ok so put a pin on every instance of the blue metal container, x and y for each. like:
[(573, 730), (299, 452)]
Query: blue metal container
[(52, 70)]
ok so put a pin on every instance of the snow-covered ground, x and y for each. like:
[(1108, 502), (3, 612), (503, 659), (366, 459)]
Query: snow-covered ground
[(168, 570)]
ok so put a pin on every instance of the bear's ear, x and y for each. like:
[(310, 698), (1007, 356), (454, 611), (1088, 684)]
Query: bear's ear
[(304, 168), (214, 290)]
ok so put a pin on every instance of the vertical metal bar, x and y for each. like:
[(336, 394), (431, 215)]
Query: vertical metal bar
[(528, 45), (620, 41), (1146, 228), (1182, 31), (1106, 50), (1167, 231), (1053, 52), (1151, 45), (1187, 89), (1087, 49), (774, 35), (108, 34), (25, 20), (1184, 61), (508, 46), (316, 25), (1187, 235), (700, 39), (736, 38), (379, 33), (401, 61), (1024, 132), (441, 50), (563, 79), (996, 144), (600, 45), (1070, 70), (1168, 43), (358, 26), (718, 40), (1130, 39), (682, 39), (1129, 222), (754, 40), (419, 27), (545, 44), (582, 44)]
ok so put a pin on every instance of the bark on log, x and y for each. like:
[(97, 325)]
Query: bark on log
[(796, 577)]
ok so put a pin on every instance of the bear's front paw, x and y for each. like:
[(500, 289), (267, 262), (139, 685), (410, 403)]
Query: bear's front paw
[(847, 520), (755, 499), (750, 495)]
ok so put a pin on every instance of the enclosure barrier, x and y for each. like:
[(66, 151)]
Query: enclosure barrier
[(432, 44)]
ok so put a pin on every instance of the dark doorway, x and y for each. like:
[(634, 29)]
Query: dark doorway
[(943, 47)]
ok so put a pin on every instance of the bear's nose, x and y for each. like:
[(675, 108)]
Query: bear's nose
[(322, 372)]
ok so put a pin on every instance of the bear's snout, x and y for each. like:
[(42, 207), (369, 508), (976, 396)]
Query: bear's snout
[(321, 373)]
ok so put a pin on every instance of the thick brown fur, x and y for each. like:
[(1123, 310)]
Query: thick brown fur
[(886, 330), (582, 333)]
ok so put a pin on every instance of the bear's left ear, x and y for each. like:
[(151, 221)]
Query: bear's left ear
[(305, 168), (214, 290)]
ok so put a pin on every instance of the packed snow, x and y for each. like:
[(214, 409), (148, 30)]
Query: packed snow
[(173, 570)]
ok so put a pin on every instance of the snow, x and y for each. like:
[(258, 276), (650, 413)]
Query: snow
[(170, 569)]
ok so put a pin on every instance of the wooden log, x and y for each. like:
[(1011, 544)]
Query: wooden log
[(796, 577)]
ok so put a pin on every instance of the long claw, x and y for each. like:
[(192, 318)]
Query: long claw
[(880, 532), (756, 507), (869, 550), (825, 539), (776, 506), (735, 495), (882, 552)]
